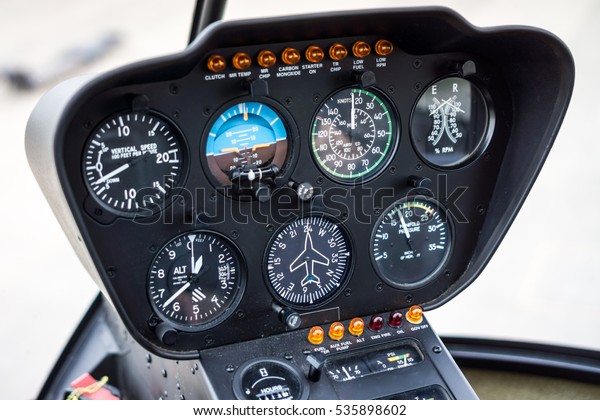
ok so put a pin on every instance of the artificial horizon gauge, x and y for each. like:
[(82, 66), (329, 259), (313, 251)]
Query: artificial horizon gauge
[(247, 133), (308, 261), (196, 280), (451, 123), (353, 135), (411, 243), (133, 161)]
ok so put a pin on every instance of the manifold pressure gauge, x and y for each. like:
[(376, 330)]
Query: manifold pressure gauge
[(308, 261), (353, 135), (411, 243), (196, 280), (132, 162)]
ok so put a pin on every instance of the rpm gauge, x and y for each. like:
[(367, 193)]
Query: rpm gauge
[(250, 134), (133, 161), (353, 135), (196, 280), (411, 243), (451, 123), (308, 261)]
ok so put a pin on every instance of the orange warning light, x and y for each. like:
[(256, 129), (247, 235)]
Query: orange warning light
[(316, 335), (414, 315), (356, 327), (336, 331)]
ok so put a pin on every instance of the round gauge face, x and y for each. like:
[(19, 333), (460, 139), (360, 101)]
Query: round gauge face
[(269, 379), (411, 243), (308, 261), (248, 133), (451, 123), (196, 281), (132, 162), (353, 135)]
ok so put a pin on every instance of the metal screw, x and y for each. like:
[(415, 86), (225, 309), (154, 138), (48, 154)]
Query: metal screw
[(316, 98), (229, 368), (173, 89), (98, 212), (288, 101), (344, 216), (207, 111), (348, 292), (111, 271), (391, 89), (379, 287), (437, 349), (320, 180), (409, 298), (178, 386), (235, 234), (487, 157), (306, 352), (176, 115), (213, 196), (196, 366), (447, 273), (87, 125), (392, 170), (417, 63), (270, 228), (288, 356), (240, 314), (418, 166), (209, 340), (149, 358), (480, 209), (152, 248), (417, 87), (182, 397), (377, 211)]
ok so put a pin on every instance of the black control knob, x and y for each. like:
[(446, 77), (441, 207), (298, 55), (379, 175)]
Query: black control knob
[(316, 362), (288, 316), (166, 334)]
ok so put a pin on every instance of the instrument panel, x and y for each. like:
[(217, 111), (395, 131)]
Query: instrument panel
[(255, 184)]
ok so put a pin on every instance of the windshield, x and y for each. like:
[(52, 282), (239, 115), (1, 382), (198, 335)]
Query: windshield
[(540, 286)]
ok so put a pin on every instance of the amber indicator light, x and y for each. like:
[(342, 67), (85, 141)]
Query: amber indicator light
[(314, 54), (337, 52), (241, 61), (216, 63), (356, 327), (316, 335), (361, 49), (384, 47), (336, 331), (290, 56), (414, 315), (266, 58)]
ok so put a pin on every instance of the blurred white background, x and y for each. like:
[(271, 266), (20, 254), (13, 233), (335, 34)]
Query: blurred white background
[(542, 284)]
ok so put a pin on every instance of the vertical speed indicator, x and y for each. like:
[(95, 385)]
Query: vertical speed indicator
[(411, 243), (354, 135)]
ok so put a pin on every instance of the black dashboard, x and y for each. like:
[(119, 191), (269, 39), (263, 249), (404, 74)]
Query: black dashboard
[(318, 175)]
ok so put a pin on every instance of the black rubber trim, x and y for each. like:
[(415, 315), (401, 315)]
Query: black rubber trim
[(533, 358)]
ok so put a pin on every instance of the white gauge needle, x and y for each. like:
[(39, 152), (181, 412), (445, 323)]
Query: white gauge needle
[(176, 294), (352, 122), (192, 238), (111, 174), (198, 265), (346, 372), (404, 227)]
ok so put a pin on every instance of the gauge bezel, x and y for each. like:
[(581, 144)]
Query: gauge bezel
[(349, 269), (235, 301), (285, 117), (395, 138), (486, 137), (166, 201), (245, 367), (447, 254)]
